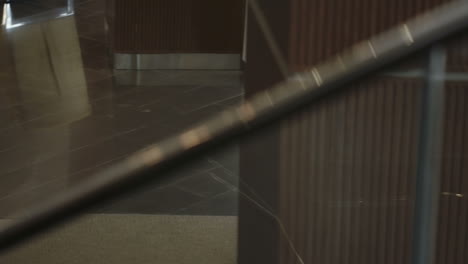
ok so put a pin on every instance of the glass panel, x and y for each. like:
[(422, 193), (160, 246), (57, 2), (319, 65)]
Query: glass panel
[(333, 183), (66, 115)]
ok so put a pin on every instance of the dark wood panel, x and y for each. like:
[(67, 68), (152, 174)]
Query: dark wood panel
[(452, 230), (178, 26), (1, 11), (322, 28), (345, 168), (347, 175)]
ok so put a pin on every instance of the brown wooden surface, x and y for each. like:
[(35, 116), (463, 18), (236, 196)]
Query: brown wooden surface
[(1, 11), (347, 188), (178, 26), (453, 215), (343, 171)]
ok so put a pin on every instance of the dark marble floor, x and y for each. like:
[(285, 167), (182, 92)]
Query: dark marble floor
[(65, 114)]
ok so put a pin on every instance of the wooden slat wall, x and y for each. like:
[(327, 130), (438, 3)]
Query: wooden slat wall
[(1, 12), (457, 55), (453, 215), (322, 28), (346, 173), (178, 26), (358, 203)]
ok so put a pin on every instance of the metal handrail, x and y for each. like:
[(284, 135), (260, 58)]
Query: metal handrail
[(259, 112)]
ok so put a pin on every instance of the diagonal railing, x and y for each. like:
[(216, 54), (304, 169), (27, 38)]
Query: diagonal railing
[(259, 112)]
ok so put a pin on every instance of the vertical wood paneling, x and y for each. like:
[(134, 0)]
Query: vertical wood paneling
[(322, 28), (452, 237), (178, 26), (457, 55), (349, 151), (356, 152), (384, 144)]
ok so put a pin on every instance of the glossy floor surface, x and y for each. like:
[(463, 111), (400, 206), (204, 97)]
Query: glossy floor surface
[(65, 114)]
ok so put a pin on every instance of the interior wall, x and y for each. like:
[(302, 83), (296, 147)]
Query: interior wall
[(339, 177), (177, 26)]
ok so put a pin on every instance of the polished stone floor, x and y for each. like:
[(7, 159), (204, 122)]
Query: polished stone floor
[(66, 114)]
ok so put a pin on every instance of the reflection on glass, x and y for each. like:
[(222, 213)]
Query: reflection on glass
[(18, 14), (45, 91), (51, 67)]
